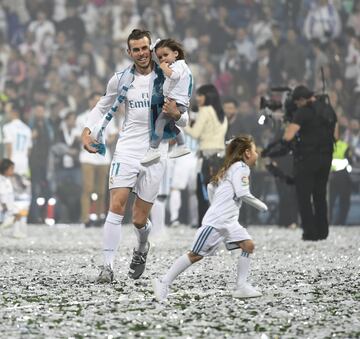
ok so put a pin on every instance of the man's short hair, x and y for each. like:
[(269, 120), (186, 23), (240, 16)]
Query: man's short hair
[(5, 164), (138, 34), (302, 92), (15, 107), (230, 100)]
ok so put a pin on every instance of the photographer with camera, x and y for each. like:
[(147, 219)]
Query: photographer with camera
[(314, 128)]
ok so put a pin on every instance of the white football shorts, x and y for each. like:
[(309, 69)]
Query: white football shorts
[(143, 180), (208, 238)]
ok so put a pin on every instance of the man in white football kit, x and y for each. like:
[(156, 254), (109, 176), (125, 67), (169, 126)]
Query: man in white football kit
[(141, 91), (17, 140), (220, 224)]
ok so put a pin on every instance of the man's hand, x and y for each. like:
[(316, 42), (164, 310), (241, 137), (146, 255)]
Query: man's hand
[(88, 141), (170, 109)]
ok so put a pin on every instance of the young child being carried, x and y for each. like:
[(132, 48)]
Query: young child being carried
[(228, 188), (177, 86)]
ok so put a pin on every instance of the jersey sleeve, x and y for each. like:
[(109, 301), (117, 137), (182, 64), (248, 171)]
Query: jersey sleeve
[(240, 180), (7, 135), (105, 102), (176, 71)]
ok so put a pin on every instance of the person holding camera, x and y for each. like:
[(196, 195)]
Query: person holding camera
[(314, 127)]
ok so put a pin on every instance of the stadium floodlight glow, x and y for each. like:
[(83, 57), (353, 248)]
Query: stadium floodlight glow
[(93, 216), (94, 197), (40, 201), (52, 201), (50, 221)]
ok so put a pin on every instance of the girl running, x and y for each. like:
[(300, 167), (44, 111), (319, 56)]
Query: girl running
[(227, 189)]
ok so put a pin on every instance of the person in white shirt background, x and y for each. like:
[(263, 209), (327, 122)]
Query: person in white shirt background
[(184, 172), (227, 189), (17, 140), (18, 144), (177, 86)]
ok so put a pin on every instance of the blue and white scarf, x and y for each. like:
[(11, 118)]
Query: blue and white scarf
[(156, 104)]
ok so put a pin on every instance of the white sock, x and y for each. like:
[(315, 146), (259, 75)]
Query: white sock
[(179, 266), (112, 236), (158, 216), (243, 268), (142, 235), (174, 204)]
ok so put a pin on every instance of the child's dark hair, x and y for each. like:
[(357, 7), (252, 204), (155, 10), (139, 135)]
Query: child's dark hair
[(5, 164), (174, 46), (234, 152), (138, 34)]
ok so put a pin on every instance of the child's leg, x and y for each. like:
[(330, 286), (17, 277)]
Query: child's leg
[(205, 243), (179, 266), (160, 123), (243, 265)]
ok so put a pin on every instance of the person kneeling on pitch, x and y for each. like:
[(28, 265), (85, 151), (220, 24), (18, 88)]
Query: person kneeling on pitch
[(228, 188)]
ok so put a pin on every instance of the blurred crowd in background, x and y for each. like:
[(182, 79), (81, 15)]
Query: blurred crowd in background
[(57, 56)]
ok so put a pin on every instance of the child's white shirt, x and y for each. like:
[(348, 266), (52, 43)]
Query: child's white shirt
[(226, 198), (179, 86), (7, 196)]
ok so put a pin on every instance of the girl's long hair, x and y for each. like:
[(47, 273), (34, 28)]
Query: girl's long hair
[(212, 98), (234, 152)]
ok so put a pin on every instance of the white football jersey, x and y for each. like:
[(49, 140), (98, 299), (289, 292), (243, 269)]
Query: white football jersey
[(7, 197), (18, 134), (226, 196), (134, 137), (179, 85)]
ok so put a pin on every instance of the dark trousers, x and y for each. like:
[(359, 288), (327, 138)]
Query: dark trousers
[(39, 188), (311, 176), (340, 189), (288, 210)]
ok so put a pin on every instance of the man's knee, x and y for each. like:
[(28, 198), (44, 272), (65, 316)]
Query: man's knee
[(118, 200), (247, 246), (139, 219)]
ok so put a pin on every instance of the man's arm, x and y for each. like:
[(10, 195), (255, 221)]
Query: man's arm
[(95, 115), (88, 141), (105, 102), (172, 112), (290, 131)]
